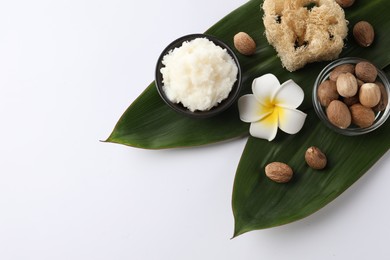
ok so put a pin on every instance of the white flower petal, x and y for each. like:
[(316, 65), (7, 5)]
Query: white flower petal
[(291, 120), (289, 95), (265, 87), (250, 109), (266, 128)]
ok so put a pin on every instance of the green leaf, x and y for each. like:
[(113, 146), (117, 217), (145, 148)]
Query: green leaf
[(260, 203), (149, 123)]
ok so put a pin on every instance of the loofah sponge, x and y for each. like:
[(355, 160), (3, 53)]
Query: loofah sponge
[(304, 31)]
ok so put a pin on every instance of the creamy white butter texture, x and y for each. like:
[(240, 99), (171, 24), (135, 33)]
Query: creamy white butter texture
[(199, 74)]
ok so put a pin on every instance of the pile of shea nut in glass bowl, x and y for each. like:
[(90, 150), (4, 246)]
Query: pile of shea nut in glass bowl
[(350, 96)]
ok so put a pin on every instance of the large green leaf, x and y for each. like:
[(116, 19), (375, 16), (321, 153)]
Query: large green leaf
[(259, 203), (149, 123)]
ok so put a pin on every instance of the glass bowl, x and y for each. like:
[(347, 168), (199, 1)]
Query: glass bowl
[(352, 130), (178, 107)]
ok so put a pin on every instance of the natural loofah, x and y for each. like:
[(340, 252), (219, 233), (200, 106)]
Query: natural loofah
[(304, 31)]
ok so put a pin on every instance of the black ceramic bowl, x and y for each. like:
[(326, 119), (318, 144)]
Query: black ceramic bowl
[(178, 107)]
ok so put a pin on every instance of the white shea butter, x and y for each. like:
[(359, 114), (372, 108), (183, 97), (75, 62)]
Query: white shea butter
[(199, 74)]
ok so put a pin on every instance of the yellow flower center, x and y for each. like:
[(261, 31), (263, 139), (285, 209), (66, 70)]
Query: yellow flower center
[(275, 113)]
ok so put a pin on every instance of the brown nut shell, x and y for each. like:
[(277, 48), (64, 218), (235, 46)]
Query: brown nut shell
[(364, 34), (244, 43), (338, 114), (384, 98), (279, 172), (343, 68), (362, 116), (327, 92), (366, 71), (315, 158), (369, 94), (360, 82), (349, 101), (347, 85), (345, 3)]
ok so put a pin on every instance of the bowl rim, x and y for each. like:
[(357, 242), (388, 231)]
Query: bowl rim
[(380, 117), (178, 107)]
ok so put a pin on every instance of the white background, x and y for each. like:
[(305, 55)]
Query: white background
[(68, 70)]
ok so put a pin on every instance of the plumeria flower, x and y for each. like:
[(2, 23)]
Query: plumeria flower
[(272, 106)]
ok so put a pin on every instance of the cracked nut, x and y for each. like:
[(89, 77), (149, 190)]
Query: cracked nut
[(315, 158)]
